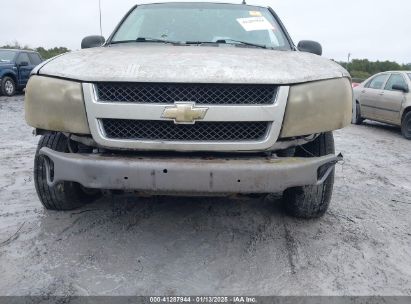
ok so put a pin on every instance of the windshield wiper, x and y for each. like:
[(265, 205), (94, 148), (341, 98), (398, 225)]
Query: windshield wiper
[(220, 41), (122, 41), (144, 39), (201, 42), (225, 41)]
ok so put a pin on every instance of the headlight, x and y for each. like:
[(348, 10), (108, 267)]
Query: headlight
[(318, 107), (55, 105)]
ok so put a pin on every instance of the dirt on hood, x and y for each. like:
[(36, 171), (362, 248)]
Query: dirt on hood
[(150, 62)]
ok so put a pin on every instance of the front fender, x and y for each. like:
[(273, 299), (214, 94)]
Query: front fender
[(406, 107), (9, 72)]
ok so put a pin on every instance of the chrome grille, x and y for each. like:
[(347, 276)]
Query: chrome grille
[(167, 130), (168, 93)]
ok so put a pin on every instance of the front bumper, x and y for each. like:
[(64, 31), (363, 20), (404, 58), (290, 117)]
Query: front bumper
[(187, 175)]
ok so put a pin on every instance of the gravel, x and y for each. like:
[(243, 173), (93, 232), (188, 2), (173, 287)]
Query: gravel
[(126, 245)]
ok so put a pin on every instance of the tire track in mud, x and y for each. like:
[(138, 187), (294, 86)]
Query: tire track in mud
[(258, 237), (291, 246), (269, 230), (120, 208)]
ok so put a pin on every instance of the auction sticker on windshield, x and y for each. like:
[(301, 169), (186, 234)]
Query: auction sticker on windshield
[(255, 24), (255, 13)]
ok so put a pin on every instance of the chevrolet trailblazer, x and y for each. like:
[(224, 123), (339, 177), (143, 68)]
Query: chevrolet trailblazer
[(190, 98)]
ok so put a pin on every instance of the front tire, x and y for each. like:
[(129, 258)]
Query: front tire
[(358, 119), (310, 202), (8, 86), (406, 126), (64, 195)]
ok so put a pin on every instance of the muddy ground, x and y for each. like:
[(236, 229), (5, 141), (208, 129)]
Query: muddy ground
[(205, 246)]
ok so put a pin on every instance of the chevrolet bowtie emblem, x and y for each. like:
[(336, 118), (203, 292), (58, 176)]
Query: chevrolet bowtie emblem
[(184, 113)]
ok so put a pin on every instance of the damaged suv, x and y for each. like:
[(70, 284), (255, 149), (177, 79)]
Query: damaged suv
[(193, 99)]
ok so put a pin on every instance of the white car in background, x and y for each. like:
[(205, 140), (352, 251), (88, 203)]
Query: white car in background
[(385, 97)]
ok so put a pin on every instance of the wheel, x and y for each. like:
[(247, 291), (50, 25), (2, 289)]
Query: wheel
[(406, 126), (312, 201), (8, 86), (64, 195), (358, 119)]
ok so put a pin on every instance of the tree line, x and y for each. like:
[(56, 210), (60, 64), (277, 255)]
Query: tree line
[(44, 53), (363, 68)]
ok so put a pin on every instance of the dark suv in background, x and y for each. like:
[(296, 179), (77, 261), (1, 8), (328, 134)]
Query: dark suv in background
[(15, 69)]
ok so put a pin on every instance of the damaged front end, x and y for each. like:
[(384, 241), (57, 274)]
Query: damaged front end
[(215, 175)]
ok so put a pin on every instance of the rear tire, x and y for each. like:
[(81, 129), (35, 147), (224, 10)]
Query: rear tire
[(8, 86), (406, 126), (358, 119), (312, 201), (64, 195)]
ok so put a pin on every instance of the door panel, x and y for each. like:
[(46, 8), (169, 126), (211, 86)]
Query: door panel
[(367, 99), (371, 94), (388, 107), (24, 71)]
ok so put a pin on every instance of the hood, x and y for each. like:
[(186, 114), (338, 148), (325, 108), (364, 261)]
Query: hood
[(195, 64)]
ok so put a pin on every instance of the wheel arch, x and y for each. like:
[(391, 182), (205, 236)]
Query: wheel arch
[(11, 75), (405, 112), (355, 110)]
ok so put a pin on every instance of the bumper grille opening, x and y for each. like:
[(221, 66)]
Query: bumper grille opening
[(168, 93), (169, 131)]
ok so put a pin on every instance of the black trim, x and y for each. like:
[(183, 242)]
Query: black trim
[(287, 35), (167, 130), (200, 93), (119, 25), (379, 108)]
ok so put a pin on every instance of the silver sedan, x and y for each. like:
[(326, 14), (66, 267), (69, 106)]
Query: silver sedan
[(385, 97)]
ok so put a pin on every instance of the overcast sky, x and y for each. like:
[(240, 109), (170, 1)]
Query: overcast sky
[(373, 29)]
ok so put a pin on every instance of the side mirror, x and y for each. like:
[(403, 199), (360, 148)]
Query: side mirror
[(92, 42), (400, 87), (310, 47), (23, 63)]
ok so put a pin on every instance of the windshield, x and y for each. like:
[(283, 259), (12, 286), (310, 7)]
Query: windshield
[(7, 56), (202, 22)]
